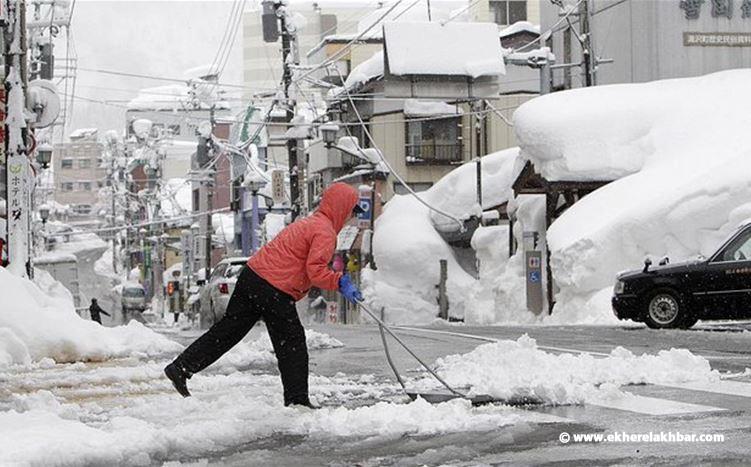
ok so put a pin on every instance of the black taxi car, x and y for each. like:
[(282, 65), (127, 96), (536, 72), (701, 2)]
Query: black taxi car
[(678, 295)]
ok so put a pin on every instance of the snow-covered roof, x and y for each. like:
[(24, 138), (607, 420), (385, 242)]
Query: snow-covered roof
[(535, 55), (366, 71), (176, 97), (419, 108), (520, 26), (84, 133), (454, 49)]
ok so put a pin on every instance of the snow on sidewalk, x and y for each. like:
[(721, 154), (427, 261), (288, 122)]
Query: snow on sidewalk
[(35, 325)]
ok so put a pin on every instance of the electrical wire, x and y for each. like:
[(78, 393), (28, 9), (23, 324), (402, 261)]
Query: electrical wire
[(139, 225), (550, 30)]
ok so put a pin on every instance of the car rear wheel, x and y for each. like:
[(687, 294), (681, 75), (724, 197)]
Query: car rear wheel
[(665, 310)]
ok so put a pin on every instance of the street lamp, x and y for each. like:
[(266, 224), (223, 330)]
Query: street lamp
[(44, 213), (44, 155), (328, 133)]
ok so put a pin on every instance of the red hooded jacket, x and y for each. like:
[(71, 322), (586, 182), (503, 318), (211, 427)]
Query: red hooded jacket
[(298, 257)]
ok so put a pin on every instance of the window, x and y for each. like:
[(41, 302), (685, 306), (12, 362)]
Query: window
[(66, 186), (738, 250), (508, 11), (84, 186), (417, 187), (434, 141), (84, 163), (82, 209), (66, 163)]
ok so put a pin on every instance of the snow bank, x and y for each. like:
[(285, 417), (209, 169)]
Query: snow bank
[(513, 369), (680, 154), (408, 265), (34, 325)]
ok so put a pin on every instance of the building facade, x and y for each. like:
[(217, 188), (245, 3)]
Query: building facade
[(656, 39), (80, 174)]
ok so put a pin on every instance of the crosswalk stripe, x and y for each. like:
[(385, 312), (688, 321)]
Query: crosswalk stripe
[(651, 405)]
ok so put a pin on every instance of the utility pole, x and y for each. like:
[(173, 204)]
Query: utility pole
[(289, 46), (18, 171), (589, 54), (112, 149)]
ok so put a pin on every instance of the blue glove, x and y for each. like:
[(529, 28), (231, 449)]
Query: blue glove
[(349, 289)]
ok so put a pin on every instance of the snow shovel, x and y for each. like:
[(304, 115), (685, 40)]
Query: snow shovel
[(434, 397)]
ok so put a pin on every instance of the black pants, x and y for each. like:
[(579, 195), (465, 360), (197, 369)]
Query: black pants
[(253, 299)]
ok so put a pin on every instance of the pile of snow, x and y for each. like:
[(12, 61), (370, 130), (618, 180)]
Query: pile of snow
[(515, 369), (257, 350), (418, 108), (35, 325), (520, 26), (408, 265), (224, 227), (435, 48), (680, 156), (366, 71)]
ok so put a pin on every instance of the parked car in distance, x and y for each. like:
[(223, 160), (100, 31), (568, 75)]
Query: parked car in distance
[(133, 300), (218, 289), (677, 295)]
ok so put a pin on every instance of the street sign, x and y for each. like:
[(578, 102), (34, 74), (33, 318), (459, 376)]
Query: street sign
[(363, 217), (534, 281), (277, 186)]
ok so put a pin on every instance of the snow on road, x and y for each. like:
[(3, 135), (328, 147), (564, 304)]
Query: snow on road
[(124, 411)]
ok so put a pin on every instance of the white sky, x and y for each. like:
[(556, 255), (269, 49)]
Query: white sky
[(161, 38)]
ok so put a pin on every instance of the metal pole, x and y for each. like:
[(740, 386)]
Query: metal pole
[(112, 185), (294, 183), (209, 233), (589, 55), (254, 224)]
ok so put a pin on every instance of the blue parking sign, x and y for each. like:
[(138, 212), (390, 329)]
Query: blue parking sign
[(364, 216)]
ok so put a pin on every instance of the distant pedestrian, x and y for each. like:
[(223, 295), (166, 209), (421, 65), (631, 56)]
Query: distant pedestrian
[(280, 274), (95, 310)]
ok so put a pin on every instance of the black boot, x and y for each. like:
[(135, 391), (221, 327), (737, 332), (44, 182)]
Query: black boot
[(301, 403), (179, 377)]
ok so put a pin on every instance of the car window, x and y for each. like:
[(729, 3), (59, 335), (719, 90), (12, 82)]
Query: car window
[(234, 269), (133, 292), (738, 250), (218, 271)]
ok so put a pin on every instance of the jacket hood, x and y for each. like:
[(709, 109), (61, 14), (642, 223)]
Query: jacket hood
[(337, 204)]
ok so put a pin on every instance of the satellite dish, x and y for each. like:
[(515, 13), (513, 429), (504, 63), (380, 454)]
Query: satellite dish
[(42, 100)]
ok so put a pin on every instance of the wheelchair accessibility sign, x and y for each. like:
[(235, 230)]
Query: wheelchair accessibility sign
[(534, 277)]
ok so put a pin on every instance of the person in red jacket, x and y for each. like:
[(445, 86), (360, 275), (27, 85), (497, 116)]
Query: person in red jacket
[(277, 276)]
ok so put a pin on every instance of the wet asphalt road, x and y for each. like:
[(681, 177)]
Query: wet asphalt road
[(725, 345)]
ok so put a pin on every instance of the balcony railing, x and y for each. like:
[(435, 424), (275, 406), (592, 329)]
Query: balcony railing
[(434, 153)]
